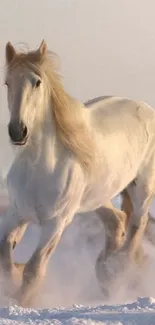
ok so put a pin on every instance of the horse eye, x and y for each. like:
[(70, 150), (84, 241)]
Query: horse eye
[(38, 83)]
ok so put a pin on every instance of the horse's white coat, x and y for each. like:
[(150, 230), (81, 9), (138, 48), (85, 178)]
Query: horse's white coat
[(48, 184)]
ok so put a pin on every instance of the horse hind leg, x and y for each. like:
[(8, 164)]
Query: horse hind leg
[(115, 222), (141, 194), (127, 207)]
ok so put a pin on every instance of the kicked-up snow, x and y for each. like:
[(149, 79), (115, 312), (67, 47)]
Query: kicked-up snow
[(71, 294)]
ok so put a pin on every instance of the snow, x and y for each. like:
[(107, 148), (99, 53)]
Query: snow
[(141, 312)]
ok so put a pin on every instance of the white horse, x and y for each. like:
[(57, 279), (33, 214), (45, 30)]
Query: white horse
[(71, 159)]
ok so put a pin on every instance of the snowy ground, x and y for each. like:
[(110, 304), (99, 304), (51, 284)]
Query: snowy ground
[(141, 312), (71, 294)]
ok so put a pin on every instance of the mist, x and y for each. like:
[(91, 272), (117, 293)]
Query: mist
[(106, 47)]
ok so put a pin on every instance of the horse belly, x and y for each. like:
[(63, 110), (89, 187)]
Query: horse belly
[(105, 190), (118, 168)]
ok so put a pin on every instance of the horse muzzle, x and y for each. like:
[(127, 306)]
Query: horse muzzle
[(18, 133)]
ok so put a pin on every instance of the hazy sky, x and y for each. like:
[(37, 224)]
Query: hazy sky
[(105, 46)]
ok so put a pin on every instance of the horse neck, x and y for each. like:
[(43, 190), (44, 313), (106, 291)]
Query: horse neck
[(48, 146)]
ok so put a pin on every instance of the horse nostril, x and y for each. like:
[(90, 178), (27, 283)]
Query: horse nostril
[(24, 131)]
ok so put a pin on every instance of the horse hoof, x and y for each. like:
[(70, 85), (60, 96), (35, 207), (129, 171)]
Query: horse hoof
[(109, 269), (25, 299), (19, 298)]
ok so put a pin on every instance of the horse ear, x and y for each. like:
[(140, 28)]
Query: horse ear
[(42, 50), (10, 52)]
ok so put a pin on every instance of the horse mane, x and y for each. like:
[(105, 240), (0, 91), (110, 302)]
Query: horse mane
[(72, 125)]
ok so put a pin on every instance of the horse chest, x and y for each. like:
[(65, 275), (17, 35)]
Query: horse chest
[(34, 191)]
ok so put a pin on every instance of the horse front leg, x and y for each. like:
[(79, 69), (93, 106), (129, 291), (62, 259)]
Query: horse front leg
[(35, 270), (11, 231), (17, 270), (51, 231)]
